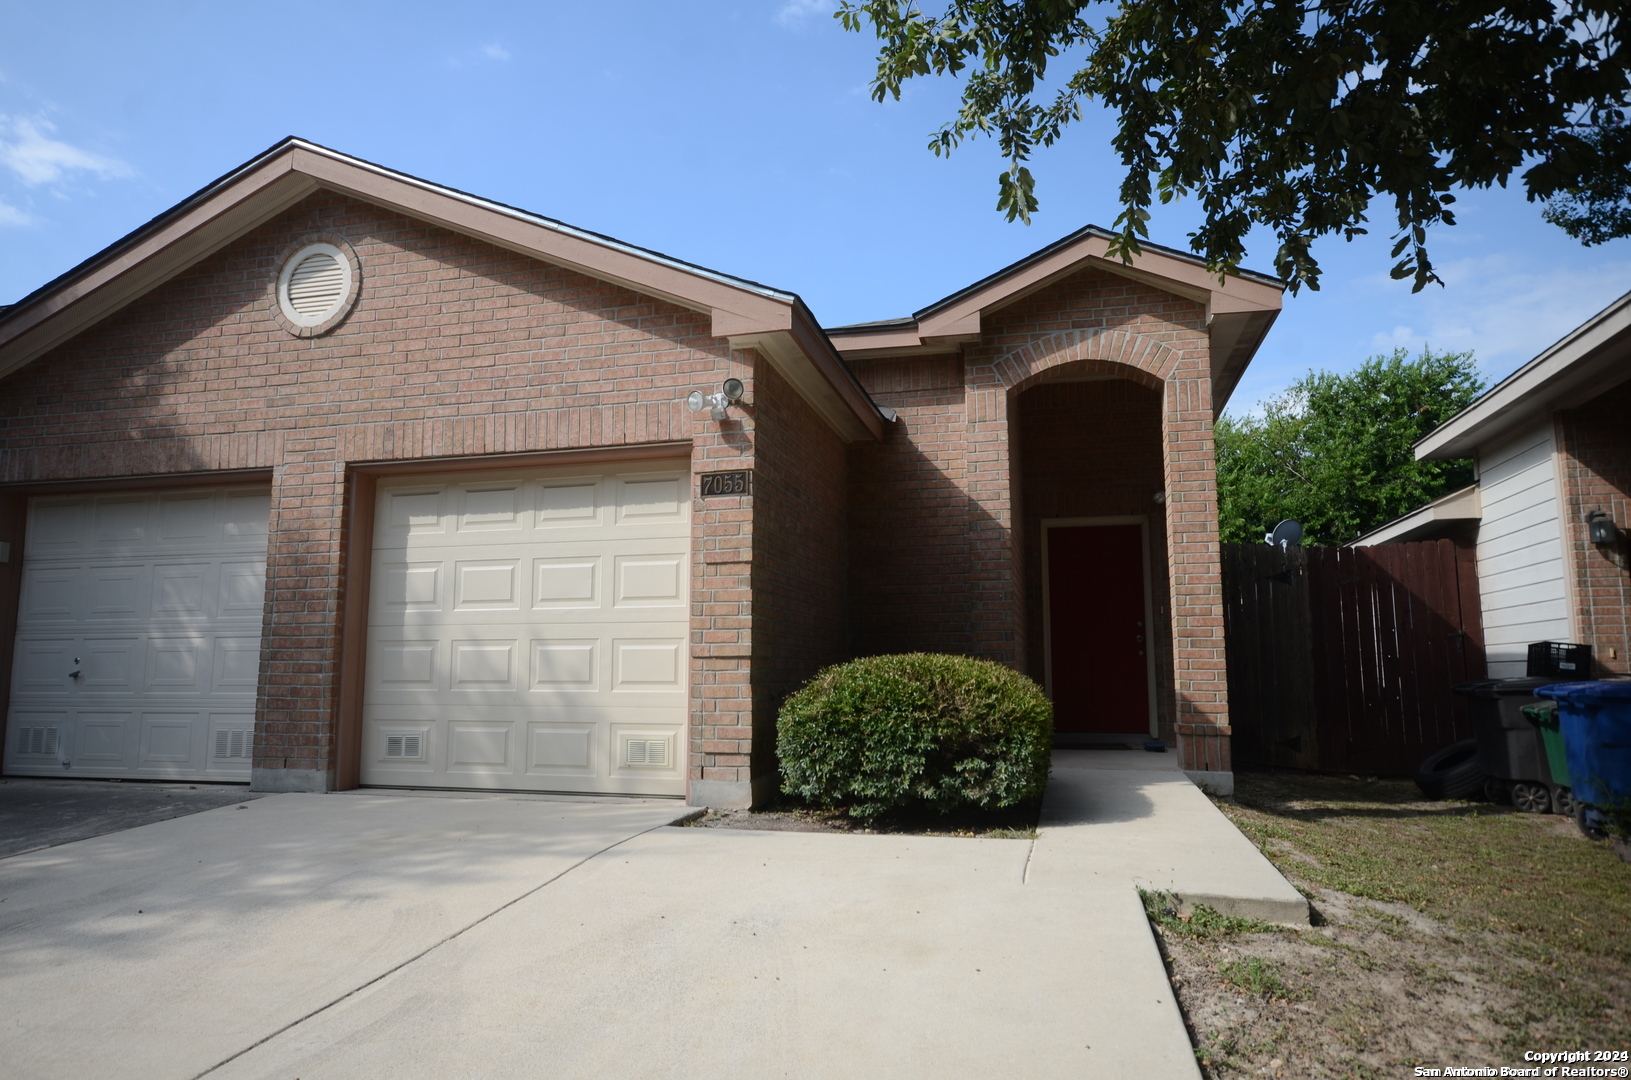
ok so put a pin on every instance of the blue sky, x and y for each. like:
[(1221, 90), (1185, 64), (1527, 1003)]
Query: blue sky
[(737, 135)]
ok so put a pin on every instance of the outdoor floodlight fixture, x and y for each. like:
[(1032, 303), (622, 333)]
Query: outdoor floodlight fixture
[(716, 403), (1603, 530)]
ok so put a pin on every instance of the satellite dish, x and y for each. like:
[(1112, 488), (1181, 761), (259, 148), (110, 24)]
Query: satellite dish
[(1287, 534)]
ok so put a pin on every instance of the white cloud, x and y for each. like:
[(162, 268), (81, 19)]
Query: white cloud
[(27, 149), (797, 12), (495, 52), (10, 215), (1506, 309)]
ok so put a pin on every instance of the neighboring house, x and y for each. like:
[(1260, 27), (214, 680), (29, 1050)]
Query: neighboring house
[(330, 476), (1552, 443)]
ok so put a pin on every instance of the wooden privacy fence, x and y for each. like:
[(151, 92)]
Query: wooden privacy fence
[(1342, 659)]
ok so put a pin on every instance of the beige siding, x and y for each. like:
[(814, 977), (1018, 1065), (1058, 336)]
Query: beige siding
[(1520, 551)]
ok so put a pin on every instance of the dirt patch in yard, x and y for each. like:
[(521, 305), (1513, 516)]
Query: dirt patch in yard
[(1449, 934)]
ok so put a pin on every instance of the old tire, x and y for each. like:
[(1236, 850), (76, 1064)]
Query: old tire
[(1451, 773)]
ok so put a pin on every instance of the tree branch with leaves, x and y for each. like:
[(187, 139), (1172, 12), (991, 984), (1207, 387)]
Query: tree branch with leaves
[(1291, 114)]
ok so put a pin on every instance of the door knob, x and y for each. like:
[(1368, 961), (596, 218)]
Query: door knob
[(74, 674)]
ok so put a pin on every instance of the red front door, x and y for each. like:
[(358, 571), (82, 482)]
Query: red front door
[(1097, 640)]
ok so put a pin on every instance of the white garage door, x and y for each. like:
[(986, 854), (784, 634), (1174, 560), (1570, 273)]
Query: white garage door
[(529, 631), (138, 635)]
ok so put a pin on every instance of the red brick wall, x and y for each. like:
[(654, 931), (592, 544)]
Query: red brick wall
[(1093, 449), (1595, 443), (940, 492), (800, 555), (454, 348), (909, 514)]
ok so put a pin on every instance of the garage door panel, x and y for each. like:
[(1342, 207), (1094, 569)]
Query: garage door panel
[(170, 572), (119, 520), (568, 666), (56, 526), (518, 618), (648, 665), (655, 580), (646, 500), (186, 520), (118, 592), (412, 512), (103, 739), (567, 581), (111, 665), (484, 667), (50, 594), (245, 518), (567, 502), (231, 744), (407, 586), (169, 741), (493, 508), (487, 585), (236, 664)]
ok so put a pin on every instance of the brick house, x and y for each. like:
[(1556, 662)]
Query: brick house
[(1551, 445), (330, 476)]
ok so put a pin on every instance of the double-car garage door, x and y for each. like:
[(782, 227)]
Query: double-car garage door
[(526, 631)]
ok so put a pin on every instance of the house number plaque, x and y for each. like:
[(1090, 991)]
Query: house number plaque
[(739, 482)]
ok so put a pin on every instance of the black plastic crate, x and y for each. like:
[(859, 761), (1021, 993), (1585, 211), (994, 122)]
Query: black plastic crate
[(1559, 660)]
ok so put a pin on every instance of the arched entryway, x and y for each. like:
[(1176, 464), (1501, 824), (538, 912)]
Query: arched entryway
[(1092, 534)]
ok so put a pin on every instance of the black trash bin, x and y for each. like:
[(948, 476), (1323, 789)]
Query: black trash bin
[(1510, 748)]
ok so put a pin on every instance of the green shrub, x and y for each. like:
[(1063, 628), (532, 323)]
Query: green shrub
[(917, 730)]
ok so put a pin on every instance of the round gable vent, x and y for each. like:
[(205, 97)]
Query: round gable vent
[(316, 288)]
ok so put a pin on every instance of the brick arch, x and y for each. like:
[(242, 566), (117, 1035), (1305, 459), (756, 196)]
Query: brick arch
[(1120, 353)]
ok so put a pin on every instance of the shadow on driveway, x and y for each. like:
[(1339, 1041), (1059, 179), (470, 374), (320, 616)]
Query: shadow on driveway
[(40, 813)]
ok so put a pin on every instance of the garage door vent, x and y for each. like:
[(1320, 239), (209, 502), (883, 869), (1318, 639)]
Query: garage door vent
[(233, 743), (652, 753), (406, 747), (37, 740)]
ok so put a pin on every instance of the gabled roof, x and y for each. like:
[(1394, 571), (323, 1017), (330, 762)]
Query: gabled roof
[(1592, 358), (1240, 308), (747, 313)]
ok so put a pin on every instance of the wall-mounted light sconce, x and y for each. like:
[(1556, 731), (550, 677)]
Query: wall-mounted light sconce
[(1602, 528), (716, 403)]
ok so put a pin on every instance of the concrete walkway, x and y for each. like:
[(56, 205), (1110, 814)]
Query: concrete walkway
[(351, 935), (1127, 815)]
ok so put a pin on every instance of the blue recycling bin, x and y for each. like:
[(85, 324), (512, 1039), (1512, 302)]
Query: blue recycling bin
[(1596, 722)]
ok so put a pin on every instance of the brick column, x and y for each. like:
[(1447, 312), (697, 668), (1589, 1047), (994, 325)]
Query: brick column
[(720, 770), (996, 622), (1195, 579), (296, 711)]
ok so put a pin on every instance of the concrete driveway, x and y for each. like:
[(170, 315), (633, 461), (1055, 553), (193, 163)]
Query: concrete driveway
[(365, 934)]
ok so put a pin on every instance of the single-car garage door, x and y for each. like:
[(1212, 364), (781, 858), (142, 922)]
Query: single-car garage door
[(529, 631), (138, 635)]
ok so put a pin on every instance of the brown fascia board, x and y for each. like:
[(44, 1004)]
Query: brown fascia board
[(1240, 308), (294, 169), (144, 260), (1592, 359)]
